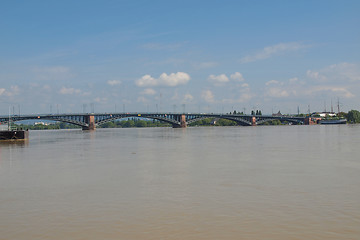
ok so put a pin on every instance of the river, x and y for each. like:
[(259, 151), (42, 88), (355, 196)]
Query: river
[(264, 182)]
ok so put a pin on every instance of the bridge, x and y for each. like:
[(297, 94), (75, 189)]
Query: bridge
[(89, 121)]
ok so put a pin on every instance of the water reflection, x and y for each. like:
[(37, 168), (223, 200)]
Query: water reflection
[(14, 143)]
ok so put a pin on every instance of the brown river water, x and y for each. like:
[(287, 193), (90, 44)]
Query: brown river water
[(264, 182)]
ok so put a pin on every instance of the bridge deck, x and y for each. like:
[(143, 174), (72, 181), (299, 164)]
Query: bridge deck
[(92, 120)]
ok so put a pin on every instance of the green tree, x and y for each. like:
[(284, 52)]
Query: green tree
[(225, 122), (353, 116), (140, 123), (129, 123), (342, 115), (108, 125)]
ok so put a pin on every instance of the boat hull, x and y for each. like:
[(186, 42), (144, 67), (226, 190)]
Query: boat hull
[(338, 121), (14, 135)]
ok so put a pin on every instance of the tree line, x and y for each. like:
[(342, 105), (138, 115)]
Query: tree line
[(353, 116)]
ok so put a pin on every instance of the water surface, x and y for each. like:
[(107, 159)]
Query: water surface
[(264, 182)]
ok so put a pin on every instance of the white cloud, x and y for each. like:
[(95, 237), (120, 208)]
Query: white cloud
[(245, 93), (14, 90), (69, 91), (172, 80), (113, 82), (146, 80), (316, 76), (337, 80), (344, 72), (276, 92), (100, 100), (237, 84), (242, 95), (208, 96), (188, 97), (148, 91), (219, 79), (293, 80), (272, 82), (270, 51), (340, 91), (237, 77)]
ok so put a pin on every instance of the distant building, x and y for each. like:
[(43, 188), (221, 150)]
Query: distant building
[(41, 123), (324, 114), (278, 114)]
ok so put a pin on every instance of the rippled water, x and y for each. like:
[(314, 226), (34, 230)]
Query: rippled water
[(270, 182)]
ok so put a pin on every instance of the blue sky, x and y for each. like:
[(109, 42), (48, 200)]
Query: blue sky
[(207, 56)]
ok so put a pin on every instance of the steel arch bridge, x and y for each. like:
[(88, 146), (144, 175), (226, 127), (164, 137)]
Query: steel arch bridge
[(90, 121)]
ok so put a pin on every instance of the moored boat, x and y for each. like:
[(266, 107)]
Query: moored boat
[(333, 121), (14, 135)]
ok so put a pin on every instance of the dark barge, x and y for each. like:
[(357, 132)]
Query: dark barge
[(14, 135)]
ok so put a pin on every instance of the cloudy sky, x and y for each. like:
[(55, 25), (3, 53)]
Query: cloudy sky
[(194, 56)]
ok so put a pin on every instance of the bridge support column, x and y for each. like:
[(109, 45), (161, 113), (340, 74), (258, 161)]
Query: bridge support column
[(183, 123), (253, 121), (311, 121), (90, 120)]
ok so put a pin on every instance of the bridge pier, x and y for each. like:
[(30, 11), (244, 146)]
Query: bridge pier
[(90, 120), (253, 121), (183, 123), (311, 120)]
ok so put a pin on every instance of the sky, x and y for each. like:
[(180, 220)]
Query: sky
[(179, 56)]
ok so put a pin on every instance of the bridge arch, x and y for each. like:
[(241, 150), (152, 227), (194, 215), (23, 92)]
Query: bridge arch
[(160, 117), (75, 120), (240, 120), (285, 119)]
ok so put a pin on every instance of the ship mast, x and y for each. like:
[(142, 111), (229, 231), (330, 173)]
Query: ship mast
[(9, 124)]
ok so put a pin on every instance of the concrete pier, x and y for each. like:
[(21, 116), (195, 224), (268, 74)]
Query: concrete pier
[(253, 121), (90, 120), (182, 120)]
